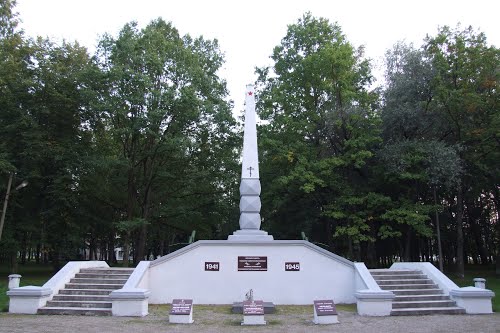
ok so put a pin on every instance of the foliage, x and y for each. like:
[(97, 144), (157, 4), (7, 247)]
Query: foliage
[(135, 146), (321, 129)]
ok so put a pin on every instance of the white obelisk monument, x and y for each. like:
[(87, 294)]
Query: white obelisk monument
[(250, 182)]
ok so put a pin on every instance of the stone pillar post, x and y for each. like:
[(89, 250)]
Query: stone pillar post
[(14, 280)]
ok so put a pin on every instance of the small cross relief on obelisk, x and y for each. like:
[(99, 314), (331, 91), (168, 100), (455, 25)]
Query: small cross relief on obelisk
[(250, 169)]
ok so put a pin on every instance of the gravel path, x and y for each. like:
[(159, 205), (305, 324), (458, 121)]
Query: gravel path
[(290, 319)]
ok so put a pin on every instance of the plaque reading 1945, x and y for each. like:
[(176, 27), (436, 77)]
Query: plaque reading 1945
[(181, 306), (325, 307), (252, 263), (292, 266)]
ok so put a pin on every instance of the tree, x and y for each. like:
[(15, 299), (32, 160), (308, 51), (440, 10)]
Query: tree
[(414, 156), (466, 94), (320, 129), (164, 105)]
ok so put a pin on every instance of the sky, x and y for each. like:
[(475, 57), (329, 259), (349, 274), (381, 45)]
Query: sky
[(248, 31)]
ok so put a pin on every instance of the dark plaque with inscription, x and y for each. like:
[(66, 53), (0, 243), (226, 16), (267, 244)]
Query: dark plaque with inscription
[(325, 307), (253, 308), (181, 306), (292, 266), (252, 263), (212, 266)]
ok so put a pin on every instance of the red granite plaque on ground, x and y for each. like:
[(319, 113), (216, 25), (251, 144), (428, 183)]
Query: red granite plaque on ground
[(325, 307), (253, 308), (181, 306)]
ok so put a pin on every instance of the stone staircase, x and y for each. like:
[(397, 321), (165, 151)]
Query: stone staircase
[(88, 292), (416, 294)]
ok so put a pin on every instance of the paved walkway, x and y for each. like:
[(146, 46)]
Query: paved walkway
[(292, 319)]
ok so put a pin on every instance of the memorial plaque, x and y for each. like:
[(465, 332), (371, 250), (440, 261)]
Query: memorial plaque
[(181, 306), (253, 308), (212, 266), (292, 266), (252, 263), (325, 307)]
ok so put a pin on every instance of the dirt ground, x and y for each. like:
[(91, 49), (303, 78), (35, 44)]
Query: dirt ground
[(290, 319)]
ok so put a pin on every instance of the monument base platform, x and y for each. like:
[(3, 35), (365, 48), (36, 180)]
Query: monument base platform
[(248, 235), (268, 307)]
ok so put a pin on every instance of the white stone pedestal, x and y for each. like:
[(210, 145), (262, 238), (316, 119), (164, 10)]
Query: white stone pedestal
[(473, 300), (325, 320), (181, 319), (248, 235), (253, 320), (28, 299), (374, 302), (130, 302)]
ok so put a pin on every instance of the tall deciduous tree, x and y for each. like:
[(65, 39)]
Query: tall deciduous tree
[(466, 94), (414, 156), (164, 104), (320, 130)]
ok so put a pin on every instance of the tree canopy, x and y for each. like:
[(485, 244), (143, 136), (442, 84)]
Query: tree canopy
[(135, 146)]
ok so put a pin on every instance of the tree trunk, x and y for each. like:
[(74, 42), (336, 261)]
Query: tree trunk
[(438, 229), (329, 235), (131, 204), (13, 262), (460, 267), (126, 250), (111, 249), (407, 249)]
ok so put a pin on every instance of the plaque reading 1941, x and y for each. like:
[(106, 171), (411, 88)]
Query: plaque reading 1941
[(253, 308), (252, 263), (325, 307), (181, 306), (212, 266)]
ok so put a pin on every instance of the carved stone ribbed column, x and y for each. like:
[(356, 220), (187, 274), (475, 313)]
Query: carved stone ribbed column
[(250, 183)]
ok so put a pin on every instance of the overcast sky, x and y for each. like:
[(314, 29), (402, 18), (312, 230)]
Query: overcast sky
[(248, 30)]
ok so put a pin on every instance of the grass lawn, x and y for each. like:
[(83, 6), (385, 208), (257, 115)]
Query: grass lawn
[(488, 273)]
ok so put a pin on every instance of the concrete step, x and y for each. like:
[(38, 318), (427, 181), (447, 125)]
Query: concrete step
[(108, 286), (78, 304), (420, 298), (81, 298), (101, 276), (393, 272), (107, 270), (88, 292), (407, 286), (75, 311), (427, 311), (423, 304), (85, 291), (399, 277), (98, 281), (404, 281), (399, 292)]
